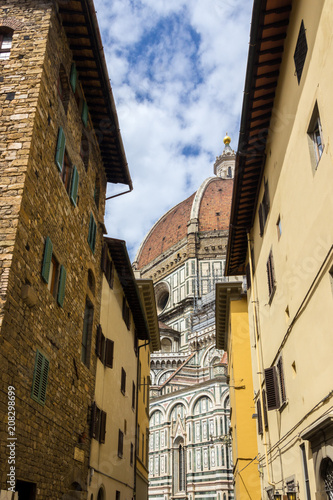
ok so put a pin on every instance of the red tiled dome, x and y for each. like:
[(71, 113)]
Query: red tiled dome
[(210, 204)]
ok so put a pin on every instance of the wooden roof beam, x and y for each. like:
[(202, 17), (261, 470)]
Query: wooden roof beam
[(278, 10)]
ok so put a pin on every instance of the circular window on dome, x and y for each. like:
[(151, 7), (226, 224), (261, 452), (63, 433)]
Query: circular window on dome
[(162, 294)]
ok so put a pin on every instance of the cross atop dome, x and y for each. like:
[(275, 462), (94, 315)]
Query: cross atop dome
[(224, 165)]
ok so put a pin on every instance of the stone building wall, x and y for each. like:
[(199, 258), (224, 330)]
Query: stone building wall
[(34, 204)]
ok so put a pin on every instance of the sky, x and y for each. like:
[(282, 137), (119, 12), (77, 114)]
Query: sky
[(177, 71)]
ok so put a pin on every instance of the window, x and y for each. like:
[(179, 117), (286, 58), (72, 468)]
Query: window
[(123, 381), (120, 444), (87, 331), (133, 396), (92, 233), (132, 454), (315, 138), (126, 313), (76, 87), (63, 87), (117, 495), (264, 208), (85, 149), (181, 469), (68, 172), (104, 348), (275, 386), (53, 273), (39, 383), (271, 276), (98, 424), (106, 265), (6, 37), (300, 52)]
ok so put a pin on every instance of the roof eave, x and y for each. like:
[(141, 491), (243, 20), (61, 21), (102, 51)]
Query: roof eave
[(262, 74)]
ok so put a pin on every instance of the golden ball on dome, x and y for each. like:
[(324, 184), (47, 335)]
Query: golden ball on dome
[(227, 139)]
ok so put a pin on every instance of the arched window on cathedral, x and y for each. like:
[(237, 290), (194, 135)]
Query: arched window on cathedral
[(181, 468), (6, 37)]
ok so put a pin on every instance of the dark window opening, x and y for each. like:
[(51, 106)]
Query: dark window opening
[(6, 38), (123, 381), (120, 444), (300, 52), (63, 87), (26, 490), (271, 276), (87, 332)]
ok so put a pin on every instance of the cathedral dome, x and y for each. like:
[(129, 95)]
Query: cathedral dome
[(208, 208)]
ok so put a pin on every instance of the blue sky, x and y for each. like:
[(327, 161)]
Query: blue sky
[(177, 70)]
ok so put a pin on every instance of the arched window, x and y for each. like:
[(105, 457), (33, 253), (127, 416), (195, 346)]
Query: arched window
[(6, 37), (100, 495), (326, 472), (181, 468)]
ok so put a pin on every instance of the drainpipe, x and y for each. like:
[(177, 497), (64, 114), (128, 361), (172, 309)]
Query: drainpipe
[(254, 309)]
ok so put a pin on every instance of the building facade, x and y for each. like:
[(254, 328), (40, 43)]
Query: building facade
[(128, 325), (283, 197), (60, 145), (184, 254), (232, 335)]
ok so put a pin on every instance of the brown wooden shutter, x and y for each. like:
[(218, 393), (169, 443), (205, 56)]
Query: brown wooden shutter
[(93, 421), (261, 220), (272, 389), (120, 444), (133, 395), (265, 409), (259, 418), (281, 380), (109, 345), (270, 274), (123, 381), (102, 427), (98, 341), (266, 201)]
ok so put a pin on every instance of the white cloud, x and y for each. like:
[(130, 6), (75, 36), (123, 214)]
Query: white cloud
[(177, 70)]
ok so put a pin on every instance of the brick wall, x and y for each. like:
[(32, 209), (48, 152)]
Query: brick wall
[(34, 204)]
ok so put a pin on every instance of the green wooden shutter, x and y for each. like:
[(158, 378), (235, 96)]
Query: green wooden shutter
[(47, 260), (39, 383), (60, 151), (74, 186), (73, 77), (84, 114), (61, 289), (109, 345)]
